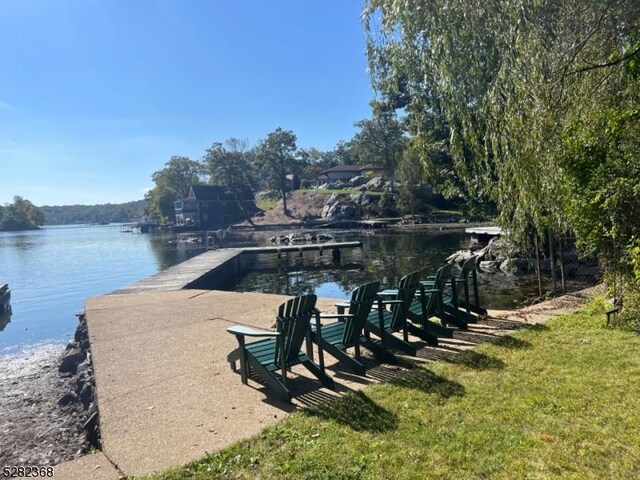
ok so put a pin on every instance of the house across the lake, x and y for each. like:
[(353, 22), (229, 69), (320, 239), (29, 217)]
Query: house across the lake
[(212, 206), (344, 173)]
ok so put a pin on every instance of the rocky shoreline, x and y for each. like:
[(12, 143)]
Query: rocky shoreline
[(48, 413)]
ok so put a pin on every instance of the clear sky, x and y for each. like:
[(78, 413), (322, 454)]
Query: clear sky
[(96, 95)]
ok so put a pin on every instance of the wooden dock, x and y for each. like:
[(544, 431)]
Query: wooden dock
[(217, 267)]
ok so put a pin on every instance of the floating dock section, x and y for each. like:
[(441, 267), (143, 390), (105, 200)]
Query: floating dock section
[(483, 234)]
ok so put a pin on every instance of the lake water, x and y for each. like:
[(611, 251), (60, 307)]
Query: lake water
[(52, 271)]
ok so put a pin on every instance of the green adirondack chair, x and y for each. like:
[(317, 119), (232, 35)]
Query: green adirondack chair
[(468, 274), (393, 320), (282, 349), (347, 332), (438, 297)]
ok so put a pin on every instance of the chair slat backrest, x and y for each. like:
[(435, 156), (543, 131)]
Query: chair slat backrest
[(360, 306), (468, 266), (443, 275), (406, 293), (293, 320)]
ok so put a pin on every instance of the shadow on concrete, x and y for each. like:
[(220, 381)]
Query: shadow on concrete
[(355, 410)]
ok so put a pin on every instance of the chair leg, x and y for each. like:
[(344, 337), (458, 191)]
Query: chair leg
[(325, 379), (355, 364), (270, 379)]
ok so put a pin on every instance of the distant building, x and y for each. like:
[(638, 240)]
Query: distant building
[(211, 206), (344, 173)]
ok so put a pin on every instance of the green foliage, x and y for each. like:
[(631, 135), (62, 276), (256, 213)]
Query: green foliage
[(267, 204), (601, 162), (413, 193), (629, 317), (380, 140), (276, 155), (172, 183), (386, 202), (229, 165), (506, 79), (20, 215), (110, 213), (498, 412)]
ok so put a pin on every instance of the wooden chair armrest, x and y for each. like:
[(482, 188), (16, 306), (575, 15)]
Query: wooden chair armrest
[(343, 305), (336, 315), (388, 293), (251, 332), (390, 302)]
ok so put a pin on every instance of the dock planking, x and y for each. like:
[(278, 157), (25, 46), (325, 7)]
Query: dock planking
[(190, 272)]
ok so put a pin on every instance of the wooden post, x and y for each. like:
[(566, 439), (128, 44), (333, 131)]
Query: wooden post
[(335, 254), (552, 259)]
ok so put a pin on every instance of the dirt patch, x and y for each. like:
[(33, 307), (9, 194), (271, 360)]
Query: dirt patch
[(34, 428), (301, 205)]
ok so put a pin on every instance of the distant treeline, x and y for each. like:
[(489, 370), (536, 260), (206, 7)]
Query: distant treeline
[(109, 212)]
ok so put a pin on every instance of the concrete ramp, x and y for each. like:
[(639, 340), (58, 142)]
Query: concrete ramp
[(165, 392)]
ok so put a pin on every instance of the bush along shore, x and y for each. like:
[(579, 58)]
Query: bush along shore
[(48, 412)]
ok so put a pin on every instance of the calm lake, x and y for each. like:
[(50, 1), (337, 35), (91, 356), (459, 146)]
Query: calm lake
[(52, 271)]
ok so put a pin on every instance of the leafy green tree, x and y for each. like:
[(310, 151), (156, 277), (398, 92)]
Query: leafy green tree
[(229, 165), (601, 162), (20, 215), (386, 202), (413, 192), (380, 140), (344, 153), (173, 183), (276, 154), (506, 78)]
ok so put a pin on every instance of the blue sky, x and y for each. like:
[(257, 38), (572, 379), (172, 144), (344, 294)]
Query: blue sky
[(96, 95)]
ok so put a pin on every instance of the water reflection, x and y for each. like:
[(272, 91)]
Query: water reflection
[(385, 256)]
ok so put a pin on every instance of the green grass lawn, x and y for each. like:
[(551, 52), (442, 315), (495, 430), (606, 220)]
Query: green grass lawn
[(557, 401), (267, 204)]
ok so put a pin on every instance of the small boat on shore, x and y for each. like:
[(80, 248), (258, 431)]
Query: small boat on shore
[(5, 296)]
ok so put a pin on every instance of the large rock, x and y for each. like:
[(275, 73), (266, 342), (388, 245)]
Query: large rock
[(376, 184), (359, 198), (356, 181), (70, 360), (266, 194), (341, 211)]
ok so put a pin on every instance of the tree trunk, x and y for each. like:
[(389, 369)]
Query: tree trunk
[(552, 259), (538, 266), (561, 258), (284, 197)]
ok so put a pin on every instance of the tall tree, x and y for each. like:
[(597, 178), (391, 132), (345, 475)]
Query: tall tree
[(380, 140), (172, 183), (509, 77), (277, 155), (229, 165)]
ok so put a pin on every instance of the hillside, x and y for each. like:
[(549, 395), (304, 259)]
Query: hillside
[(109, 212)]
